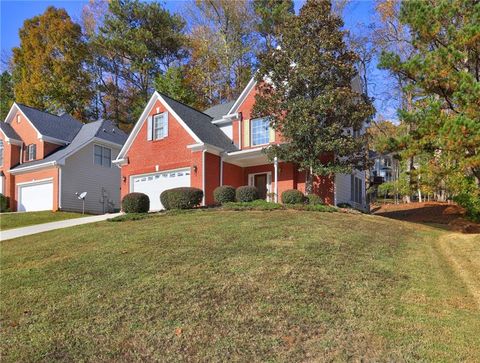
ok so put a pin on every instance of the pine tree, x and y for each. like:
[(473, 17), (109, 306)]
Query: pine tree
[(305, 87), (444, 74)]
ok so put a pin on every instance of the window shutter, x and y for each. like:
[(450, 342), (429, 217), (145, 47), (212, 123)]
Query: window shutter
[(149, 127), (246, 133), (165, 124)]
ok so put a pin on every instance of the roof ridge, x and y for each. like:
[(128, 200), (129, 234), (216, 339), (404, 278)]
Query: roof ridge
[(48, 113), (184, 104)]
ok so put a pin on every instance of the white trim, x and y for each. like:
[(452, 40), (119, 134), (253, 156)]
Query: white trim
[(10, 140), (136, 129), (157, 172), (246, 151), (120, 162), (205, 147), (275, 168), (251, 181), (59, 187), (221, 169), (28, 168), (39, 181), (226, 119), (7, 119), (52, 140), (203, 175), (242, 96)]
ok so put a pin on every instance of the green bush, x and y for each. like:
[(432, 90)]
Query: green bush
[(471, 203), (246, 194), (4, 203), (314, 199), (293, 196), (224, 194), (258, 204), (181, 198), (136, 203)]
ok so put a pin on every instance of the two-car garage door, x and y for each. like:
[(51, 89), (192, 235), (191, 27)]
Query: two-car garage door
[(154, 184), (35, 196)]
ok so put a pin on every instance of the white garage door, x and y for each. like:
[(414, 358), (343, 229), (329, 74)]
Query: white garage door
[(154, 184), (34, 197)]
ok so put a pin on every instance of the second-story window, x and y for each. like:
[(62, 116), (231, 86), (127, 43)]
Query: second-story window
[(260, 131), (31, 152), (102, 156), (1, 152), (160, 126)]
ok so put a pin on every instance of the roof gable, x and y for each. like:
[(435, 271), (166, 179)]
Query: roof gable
[(62, 128)]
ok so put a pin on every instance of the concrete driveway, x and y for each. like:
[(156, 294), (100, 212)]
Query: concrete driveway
[(39, 228)]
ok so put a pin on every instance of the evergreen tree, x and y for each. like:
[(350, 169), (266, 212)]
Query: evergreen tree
[(306, 90), (175, 84), (444, 73), (49, 65), (6, 94)]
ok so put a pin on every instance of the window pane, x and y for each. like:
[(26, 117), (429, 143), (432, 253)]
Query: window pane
[(107, 157), (260, 134), (158, 127)]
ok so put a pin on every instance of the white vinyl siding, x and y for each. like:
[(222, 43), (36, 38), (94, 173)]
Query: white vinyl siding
[(102, 156), (351, 189), (260, 131), (102, 184)]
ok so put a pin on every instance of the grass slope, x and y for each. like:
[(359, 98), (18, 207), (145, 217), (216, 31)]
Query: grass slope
[(243, 286), (16, 220)]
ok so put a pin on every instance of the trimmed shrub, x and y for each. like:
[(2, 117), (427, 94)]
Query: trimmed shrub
[(246, 193), (135, 203), (4, 203), (181, 198), (224, 194), (293, 196), (313, 199)]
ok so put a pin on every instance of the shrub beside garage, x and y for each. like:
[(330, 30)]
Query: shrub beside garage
[(136, 203), (181, 198), (293, 196)]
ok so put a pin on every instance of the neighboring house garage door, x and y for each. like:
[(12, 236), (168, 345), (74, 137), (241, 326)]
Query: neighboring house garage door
[(35, 196), (154, 184)]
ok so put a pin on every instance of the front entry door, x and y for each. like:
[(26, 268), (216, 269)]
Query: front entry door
[(260, 181)]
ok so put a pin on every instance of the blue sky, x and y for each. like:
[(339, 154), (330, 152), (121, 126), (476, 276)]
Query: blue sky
[(14, 12)]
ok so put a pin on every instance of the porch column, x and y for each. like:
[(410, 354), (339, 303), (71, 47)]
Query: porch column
[(275, 168)]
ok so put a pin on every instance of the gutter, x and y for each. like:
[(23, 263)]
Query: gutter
[(28, 168)]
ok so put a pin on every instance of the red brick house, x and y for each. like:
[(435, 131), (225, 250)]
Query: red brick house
[(175, 145), (47, 160)]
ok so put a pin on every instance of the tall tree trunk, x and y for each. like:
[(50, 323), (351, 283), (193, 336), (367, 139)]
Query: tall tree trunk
[(309, 181)]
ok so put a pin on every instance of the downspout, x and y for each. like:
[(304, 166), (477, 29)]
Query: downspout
[(203, 175), (240, 119), (59, 187), (221, 169), (275, 167)]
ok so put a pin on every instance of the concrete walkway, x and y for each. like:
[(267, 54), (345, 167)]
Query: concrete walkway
[(39, 228)]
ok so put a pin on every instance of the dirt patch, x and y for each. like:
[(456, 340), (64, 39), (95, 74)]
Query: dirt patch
[(450, 215)]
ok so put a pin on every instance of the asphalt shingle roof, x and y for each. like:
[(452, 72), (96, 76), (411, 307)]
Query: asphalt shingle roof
[(9, 131), (63, 127), (218, 111), (102, 129), (201, 125)]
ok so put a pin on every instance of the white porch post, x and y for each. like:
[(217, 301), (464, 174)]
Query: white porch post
[(275, 167), (221, 169)]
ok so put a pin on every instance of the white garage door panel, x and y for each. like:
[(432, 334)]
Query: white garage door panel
[(154, 184), (35, 197)]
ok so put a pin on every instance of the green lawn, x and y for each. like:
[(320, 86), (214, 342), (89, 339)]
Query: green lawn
[(244, 286), (15, 220)]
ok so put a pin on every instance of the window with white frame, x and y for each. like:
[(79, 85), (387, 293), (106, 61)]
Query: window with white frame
[(102, 156), (1, 153), (160, 127), (31, 152), (260, 131)]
